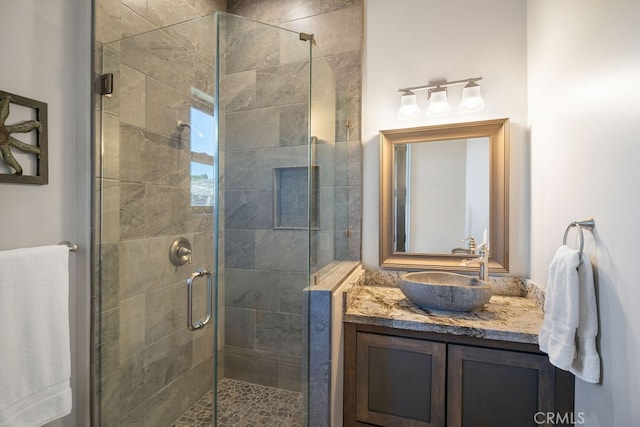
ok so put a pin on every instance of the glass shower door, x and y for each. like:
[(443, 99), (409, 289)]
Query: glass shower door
[(155, 188), (216, 156), (269, 205)]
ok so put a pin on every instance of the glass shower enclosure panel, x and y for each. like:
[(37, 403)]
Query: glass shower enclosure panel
[(215, 161), (155, 188), (324, 167), (270, 214)]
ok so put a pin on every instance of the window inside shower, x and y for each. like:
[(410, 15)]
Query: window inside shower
[(202, 187)]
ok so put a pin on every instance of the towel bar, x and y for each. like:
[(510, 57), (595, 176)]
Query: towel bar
[(72, 246), (587, 223)]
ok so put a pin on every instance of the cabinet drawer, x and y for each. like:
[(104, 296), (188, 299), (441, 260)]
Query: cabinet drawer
[(400, 381), (497, 388)]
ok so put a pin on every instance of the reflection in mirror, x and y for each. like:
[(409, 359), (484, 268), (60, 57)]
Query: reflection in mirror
[(441, 195), (443, 189)]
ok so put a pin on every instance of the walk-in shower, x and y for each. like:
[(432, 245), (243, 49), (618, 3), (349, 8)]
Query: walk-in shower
[(217, 146)]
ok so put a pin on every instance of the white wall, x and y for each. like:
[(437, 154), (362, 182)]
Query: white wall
[(478, 188), (437, 196), (584, 86), (411, 42), (46, 56)]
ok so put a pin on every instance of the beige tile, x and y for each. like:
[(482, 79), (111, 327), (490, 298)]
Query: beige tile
[(165, 312), (144, 266), (132, 326), (166, 210), (246, 8), (109, 403), (238, 91), (204, 79), (110, 226), (282, 85), (111, 64), (168, 12), (181, 394), (110, 146), (291, 48), (253, 129), (108, 336), (331, 5), (198, 36), (132, 23), (138, 6), (107, 20), (250, 45), (131, 146), (278, 11), (157, 55), (164, 107), (203, 344), (132, 214), (165, 161), (208, 7), (335, 32)]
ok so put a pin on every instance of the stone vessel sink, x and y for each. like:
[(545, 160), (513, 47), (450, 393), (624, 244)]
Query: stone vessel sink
[(445, 291)]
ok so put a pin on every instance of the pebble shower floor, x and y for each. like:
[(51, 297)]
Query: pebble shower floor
[(242, 404)]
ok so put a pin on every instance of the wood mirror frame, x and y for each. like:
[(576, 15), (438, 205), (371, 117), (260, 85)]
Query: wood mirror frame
[(498, 132)]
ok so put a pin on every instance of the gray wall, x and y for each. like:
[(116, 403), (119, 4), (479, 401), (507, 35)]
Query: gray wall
[(47, 54)]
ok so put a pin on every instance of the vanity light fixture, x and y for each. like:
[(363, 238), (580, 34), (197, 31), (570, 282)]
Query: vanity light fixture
[(471, 98), (408, 106), (438, 103)]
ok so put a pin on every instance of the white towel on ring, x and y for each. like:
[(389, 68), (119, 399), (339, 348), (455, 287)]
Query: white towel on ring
[(35, 356), (570, 323)]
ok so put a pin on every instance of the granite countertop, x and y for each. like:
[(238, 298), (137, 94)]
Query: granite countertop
[(503, 318)]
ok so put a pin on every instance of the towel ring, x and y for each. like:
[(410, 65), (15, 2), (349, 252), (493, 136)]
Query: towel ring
[(588, 223)]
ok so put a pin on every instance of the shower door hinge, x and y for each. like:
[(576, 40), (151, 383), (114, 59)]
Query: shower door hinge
[(308, 38), (104, 85)]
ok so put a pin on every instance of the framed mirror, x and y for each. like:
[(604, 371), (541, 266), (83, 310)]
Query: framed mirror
[(443, 190)]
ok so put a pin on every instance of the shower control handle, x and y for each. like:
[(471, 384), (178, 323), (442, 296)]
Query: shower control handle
[(180, 251), (200, 323)]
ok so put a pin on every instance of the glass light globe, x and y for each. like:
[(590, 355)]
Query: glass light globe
[(408, 106), (471, 99), (438, 103)]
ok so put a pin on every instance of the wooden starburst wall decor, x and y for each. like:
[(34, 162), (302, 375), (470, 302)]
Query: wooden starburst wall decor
[(15, 153)]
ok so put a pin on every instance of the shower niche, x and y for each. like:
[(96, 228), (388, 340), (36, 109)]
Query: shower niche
[(296, 197)]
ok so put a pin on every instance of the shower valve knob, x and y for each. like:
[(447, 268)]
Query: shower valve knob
[(180, 252)]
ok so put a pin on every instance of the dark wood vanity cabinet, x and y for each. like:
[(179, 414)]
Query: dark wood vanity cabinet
[(416, 379), (399, 381)]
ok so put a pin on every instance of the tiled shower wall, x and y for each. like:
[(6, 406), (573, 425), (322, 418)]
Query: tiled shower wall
[(264, 112), (266, 267), (141, 337), (146, 357), (337, 26)]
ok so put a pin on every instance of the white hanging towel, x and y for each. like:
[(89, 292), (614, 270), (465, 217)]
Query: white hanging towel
[(35, 356), (570, 326)]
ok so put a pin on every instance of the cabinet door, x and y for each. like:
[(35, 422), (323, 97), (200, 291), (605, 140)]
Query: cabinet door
[(400, 381), (497, 388)]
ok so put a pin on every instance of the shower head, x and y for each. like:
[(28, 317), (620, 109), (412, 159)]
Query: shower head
[(181, 125)]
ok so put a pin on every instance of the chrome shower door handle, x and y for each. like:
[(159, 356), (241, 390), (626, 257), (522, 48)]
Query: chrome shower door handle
[(200, 323)]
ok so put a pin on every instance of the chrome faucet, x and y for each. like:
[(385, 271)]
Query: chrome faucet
[(482, 259)]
